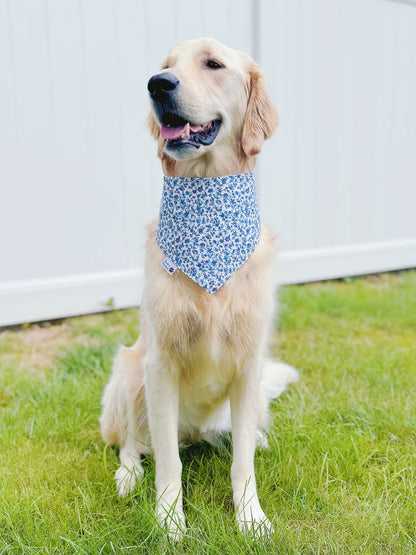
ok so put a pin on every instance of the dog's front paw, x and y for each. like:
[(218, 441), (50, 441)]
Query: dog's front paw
[(252, 521), (126, 479), (173, 520)]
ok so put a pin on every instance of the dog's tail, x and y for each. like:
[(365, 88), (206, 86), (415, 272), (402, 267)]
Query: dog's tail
[(276, 377)]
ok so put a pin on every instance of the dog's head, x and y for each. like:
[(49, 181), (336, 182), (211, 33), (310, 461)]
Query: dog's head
[(206, 95)]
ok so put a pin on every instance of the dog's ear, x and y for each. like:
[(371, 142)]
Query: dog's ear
[(153, 126), (261, 118)]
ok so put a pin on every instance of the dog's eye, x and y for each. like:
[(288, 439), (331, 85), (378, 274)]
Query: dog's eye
[(212, 64)]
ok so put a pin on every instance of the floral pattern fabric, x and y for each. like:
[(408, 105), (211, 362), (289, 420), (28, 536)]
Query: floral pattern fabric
[(209, 226)]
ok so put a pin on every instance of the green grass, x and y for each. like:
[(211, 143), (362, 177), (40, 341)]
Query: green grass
[(339, 476)]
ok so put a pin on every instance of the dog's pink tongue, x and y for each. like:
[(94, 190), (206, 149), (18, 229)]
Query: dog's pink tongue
[(173, 132)]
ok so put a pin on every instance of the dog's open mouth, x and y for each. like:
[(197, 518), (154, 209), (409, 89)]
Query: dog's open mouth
[(177, 131)]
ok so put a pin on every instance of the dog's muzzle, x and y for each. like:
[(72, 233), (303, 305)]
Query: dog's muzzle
[(176, 128)]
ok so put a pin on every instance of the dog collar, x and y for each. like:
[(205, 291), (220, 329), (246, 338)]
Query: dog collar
[(208, 226)]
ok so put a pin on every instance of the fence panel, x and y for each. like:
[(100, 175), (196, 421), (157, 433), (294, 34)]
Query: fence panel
[(339, 181), (79, 176)]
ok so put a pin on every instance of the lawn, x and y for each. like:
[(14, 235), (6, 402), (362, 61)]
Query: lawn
[(339, 476)]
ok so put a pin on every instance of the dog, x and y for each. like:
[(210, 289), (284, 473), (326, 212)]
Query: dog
[(199, 366)]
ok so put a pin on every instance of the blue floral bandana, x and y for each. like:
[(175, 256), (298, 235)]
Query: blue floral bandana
[(208, 226)]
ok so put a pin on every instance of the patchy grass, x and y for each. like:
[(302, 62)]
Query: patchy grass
[(339, 476)]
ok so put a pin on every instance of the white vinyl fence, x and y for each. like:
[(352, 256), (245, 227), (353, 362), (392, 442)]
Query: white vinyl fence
[(79, 177)]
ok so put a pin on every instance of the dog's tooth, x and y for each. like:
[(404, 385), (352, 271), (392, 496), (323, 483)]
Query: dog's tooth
[(198, 128), (187, 131)]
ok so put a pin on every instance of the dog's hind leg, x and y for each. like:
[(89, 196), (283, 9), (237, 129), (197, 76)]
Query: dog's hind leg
[(130, 469), (123, 420)]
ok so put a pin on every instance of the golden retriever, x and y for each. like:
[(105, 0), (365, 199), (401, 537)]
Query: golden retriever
[(199, 366)]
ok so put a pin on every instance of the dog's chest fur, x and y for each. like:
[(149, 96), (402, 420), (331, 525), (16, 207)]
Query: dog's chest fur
[(207, 343)]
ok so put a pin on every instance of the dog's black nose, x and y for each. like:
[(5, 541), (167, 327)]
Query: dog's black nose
[(162, 85)]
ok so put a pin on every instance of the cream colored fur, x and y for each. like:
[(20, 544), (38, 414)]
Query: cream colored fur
[(199, 366)]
